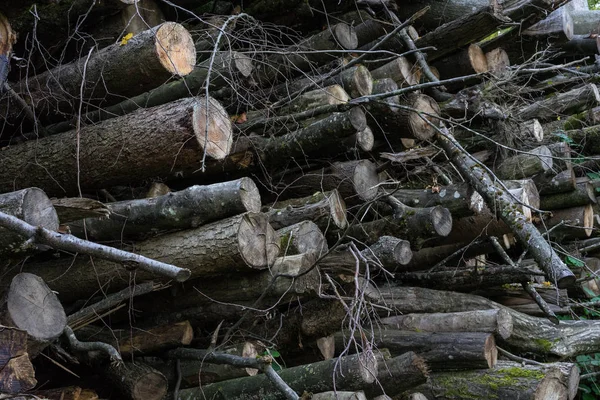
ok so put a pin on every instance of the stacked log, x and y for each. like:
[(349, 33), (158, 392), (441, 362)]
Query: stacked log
[(220, 207)]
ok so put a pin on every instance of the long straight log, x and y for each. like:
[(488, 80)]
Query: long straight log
[(242, 242), (152, 56), (346, 373), (188, 208), (121, 150), (398, 374), (583, 194), (493, 321), (32, 206), (528, 235), (525, 165), (573, 101)]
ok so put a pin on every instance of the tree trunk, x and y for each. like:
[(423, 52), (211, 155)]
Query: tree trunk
[(32, 206), (525, 165), (400, 70), (236, 243), (31, 306), (401, 373), (575, 223), (349, 373), (498, 322), (583, 194), (186, 209), (460, 199), (325, 209), (16, 372), (509, 380), (122, 150), (470, 61), (152, 56), (137, 381), (550, 183), (442, 11)]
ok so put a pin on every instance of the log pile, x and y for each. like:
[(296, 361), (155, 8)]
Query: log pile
[(299, 199)]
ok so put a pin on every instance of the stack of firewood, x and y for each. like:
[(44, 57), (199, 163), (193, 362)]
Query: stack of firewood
[(376, 200)]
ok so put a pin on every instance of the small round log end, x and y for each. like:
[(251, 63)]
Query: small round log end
[(441, 220), (152, 385), (478, 59), (345, 36), (218, 141), (258, 242), (366, 180), (337, 209), (363, 81), (250, 195)]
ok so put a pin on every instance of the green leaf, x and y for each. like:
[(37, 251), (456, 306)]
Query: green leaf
[(273, 353), (593, 175), (564, 137), (588, 396), (574, 262)]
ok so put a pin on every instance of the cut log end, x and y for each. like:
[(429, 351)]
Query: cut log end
[(368, 367), (336, 95), (175, 48), (38, 209), (402, 252), (498, 61), (7, 36), (258, 242), (420, 122), (365, 139), (478, 59), (505, 324), (441, 219), (588, 220), (250, 195), (537, 131), (34, 308), (243, 64), (491, 351), (219, 140), (337, 208), (345, 36), (362, 81), (366, 180)]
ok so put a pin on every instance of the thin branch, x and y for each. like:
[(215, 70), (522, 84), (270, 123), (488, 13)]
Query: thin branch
[(91, 346), (71, 243)]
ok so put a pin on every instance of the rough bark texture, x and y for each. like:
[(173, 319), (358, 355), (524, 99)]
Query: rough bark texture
[(573, 101), (399, 374), (186, 209), (235, 243), (137, 381), (121, 150), (583, 194)]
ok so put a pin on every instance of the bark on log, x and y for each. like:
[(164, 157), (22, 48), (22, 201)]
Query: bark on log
[(32, 206), (585, 22), (31, 306), (498, 322), (558, 24), (400, 70), (575, 223), (338, 395), (460, 199), (16, 372), (442, 12), (582, 44), (137, 381), (586, 139), (583, 194), (525, 165), (225, 67), (527, 234), (573, 101), (401, 373), (441, 350), (121, 150), (236, 243), (509, 380), (312, 50), (71, 209), (356, 181), (188, 208), (549, 184), (152, 56), (349, 373), (470, 61), (325, 209), (530, 334), (419, 225), (329, 95)]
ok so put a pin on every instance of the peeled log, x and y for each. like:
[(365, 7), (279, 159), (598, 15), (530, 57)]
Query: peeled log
[(507, 381), (152, 57), (31, 306), (346, 374), (323, 208), (235, 243), (188, 208), (32, 206), (493, 321), (164, 141)]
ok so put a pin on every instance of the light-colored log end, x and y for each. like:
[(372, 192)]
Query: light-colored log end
[(478, 59), (258, 242), (345, 36), (366, 180), (362, 81), (337, 208), (175, 48), (250, 195), (491, 351), (420, 122), (218, 141)]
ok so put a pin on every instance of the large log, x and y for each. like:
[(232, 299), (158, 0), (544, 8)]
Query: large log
[(583, 194), (399, 374), (121, 150), (498, 322), (152, 56), (32, 206), (136, 381), (305, 237), (509, 380), (441, 12), (236, 243), (573, 101), (525, 165), (188, 208), (31, 306), (573, 223), (346, 373), (440, 350)]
